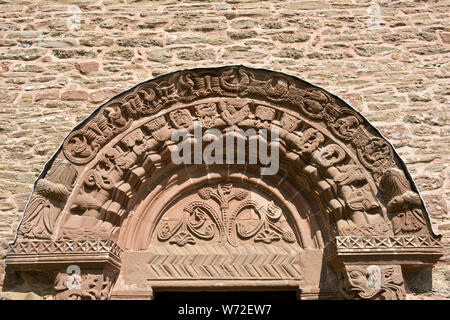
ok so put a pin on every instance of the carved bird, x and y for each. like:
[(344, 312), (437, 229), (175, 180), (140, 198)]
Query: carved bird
[(84, 202)]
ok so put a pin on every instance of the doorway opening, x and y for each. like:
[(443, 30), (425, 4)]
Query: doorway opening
[(219, 296)]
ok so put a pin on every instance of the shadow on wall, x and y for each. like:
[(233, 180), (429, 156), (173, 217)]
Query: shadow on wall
[(430, 282), (328, 281), (19, 285)]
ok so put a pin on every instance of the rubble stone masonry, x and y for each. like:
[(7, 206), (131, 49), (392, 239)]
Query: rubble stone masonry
[(390, 60)]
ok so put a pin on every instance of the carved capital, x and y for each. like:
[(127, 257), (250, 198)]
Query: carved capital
[(371, 282), (77, 284)]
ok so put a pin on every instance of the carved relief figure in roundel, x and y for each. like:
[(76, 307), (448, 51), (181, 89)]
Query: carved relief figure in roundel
[(158, 128), (278, 87), (311, 140), (329, 155), (147, 97), (346, 127), (233, 113), (115, 117), (289, 123), (376, 154), (78, 147), (264, 116), (181, 119), (314, 103), (81, 146), (133, 106)]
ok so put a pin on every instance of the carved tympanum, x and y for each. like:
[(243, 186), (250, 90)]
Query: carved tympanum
[(225, 213)]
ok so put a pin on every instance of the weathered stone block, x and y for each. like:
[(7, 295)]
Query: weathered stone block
[(23, 54), (242, 34), (56, 43), (196, 55), (74, 95), (119, 55), (289, 38), (244, 23), (152, 23), (87, 67), (133, 42), (288, 52), (306, 5), (370, 51), (76, 53), (159, 55), (242, 53), (96, 42), (47, 95), (102, 95)]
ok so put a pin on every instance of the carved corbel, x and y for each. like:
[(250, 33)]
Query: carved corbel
[(371, 282)]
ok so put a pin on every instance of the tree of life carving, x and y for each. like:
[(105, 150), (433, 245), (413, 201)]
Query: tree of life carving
[(200, 219)]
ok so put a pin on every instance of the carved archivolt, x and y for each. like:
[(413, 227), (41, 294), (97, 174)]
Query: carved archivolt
[(354, 183)]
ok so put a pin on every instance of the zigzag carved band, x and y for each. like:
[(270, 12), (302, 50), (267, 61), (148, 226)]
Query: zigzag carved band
[(223, 262)]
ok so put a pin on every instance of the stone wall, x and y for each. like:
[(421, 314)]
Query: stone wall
[(389, 59)]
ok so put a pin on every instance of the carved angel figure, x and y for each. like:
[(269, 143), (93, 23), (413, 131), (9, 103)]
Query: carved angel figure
[(47, 201), (404, 206)]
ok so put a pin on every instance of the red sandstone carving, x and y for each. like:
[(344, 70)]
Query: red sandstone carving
[(340, 187), (91, 286), (201, 220), (403, 205), (357, 282), (49, 197)]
